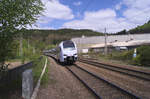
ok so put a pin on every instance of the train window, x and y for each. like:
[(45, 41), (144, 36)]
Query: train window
[(68, 44)]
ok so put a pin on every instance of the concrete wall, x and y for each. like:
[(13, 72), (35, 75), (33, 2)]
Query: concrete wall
[(84, 42)]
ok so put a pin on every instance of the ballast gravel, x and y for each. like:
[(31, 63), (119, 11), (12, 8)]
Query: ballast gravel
[(62, 85), (137, 86)]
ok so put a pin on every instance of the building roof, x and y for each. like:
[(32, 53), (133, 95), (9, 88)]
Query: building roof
[(120, 44)]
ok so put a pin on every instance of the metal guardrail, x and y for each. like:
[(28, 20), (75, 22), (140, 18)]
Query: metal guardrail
[(15, 73)]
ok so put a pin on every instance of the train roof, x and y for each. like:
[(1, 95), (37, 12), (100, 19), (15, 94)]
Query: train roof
[(68, 41)]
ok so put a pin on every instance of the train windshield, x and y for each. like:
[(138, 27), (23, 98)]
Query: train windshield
[(68, 44)]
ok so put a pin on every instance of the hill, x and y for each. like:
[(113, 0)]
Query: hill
[(56, 36), (138, 30), (141, 29)]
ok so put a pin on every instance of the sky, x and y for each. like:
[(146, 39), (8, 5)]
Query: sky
[(114, 15)]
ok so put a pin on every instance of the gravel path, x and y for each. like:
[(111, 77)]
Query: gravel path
[(62, 85), (140, 87)]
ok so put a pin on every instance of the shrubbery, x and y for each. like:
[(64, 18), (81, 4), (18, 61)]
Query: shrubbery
[(142, 58), (127, 55), (123, 55)]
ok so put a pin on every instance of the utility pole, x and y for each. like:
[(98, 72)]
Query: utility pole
[(80, 45), (105, 52), (129, 35)]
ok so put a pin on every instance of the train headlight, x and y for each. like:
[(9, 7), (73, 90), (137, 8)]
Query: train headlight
[(75, 55), (65, 55)]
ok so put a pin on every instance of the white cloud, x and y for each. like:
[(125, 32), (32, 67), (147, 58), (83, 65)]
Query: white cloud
[(38, 26), (55, 10), (78, 14), (44, 20), (118, 6), (136, 13), (139, 4), (101, 14), (77, 3), (137, 16), (98, 20)]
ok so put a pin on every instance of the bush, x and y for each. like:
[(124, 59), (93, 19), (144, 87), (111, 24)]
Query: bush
[(142, 58), (123, 55), (136, 60), (143, 55), (115, 55), (127, 55)]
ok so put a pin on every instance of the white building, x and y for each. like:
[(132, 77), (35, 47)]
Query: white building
[(113, 40)]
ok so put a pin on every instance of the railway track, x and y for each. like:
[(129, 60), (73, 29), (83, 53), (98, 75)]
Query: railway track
[(100, 87), (130, 72)]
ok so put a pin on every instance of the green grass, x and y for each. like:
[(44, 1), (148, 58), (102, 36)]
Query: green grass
[(37, 70), (45, 78)]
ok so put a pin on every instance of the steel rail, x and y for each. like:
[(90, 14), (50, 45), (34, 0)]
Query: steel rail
[(84, 83), (113, 68), (108, 82), (118, 67), (95, 94)]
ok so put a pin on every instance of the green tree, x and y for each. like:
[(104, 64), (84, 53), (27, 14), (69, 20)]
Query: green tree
[(123, 32), (15, 15), (144, 55)]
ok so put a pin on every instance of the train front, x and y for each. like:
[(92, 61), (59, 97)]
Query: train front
[(69, 52)]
